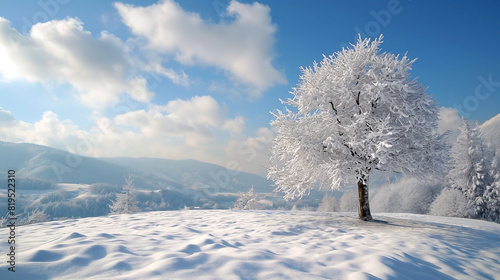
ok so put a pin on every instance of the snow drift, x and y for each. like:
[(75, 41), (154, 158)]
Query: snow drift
[(222, 244)]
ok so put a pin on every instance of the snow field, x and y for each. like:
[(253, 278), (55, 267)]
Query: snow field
[(222, 244)]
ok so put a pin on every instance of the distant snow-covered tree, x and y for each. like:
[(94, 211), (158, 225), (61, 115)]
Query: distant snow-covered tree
[(35, 217), (468, 169), (328, 204), (126, 202), (348, 201), (247, 201), (4, 220), (407, 195), (450, 203), (357, 111)]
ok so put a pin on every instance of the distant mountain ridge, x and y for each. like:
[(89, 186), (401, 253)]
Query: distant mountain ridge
[(192, 172), (41, 162)]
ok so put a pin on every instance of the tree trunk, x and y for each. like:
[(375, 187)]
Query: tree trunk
[(364, 205)]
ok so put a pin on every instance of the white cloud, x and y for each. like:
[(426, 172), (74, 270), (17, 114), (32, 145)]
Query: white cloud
[(252, 153), (61, 51), (195, 121), (190, 128), (449, 120), (178, 78), (235, 126), (48, 131), (5, 116), (243, 46), (198, 110)]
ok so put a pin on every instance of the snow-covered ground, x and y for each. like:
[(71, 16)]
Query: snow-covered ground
[(222, 244)]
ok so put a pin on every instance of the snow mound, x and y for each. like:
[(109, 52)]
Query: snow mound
[(226, 244)]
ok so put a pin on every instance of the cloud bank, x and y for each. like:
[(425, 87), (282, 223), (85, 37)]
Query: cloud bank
[(62, 52), (449, 120), (242, 47)]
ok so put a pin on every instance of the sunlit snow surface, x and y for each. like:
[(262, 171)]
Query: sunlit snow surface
[(255, 245)]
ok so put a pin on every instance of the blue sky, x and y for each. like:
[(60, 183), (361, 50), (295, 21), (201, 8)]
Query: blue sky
[(197, 79)]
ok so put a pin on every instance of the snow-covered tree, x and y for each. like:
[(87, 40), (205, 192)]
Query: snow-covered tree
[(247, 201), (125, 202), (328, 204), (407, 195), (36, 217), (356, 112), (450, 203), (348, 201), (4, 220), (468, 172), (492, 193)]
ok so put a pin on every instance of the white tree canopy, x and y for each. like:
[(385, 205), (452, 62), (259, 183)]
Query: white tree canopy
[(356, 111)]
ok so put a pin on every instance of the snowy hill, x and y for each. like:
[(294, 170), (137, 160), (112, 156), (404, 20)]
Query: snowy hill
[(40, 162), (491, 131), (255, 245)]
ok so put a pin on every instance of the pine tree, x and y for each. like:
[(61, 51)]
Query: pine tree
[(492, 193), (356, 112), (125, 202), (468, 172)]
